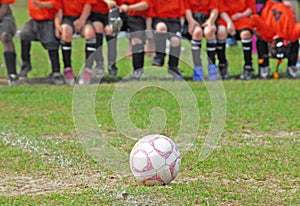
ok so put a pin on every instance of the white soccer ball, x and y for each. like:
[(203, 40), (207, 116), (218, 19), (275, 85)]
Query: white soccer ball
[(155, 160)]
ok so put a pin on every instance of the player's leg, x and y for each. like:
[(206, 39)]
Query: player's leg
[(246, 38), (66, 48), (211, 43), (263, 58), (111, 51), (160, 38), (99, 30), (292, 60), (221, 51)]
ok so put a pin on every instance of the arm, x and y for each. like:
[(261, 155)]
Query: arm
[(191, 21), (57, 23), (3, 10), (141, 6), (110, 3), (44, 4), (211, 21), (246, 13), (230, 25), (79, 23)]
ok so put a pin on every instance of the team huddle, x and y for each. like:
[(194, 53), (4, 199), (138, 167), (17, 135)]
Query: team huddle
[(54, 22)]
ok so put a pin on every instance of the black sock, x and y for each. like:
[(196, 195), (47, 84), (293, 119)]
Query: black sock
[(160, 43), (196, 52), (138, 56), (174, 56), (66, 48), (293, 53), (90, 48), (221, 51), (99, 54), (262, 52), (25, 51), (112, 49), (10, 61), (54, 59), (247, 49), (211, 51)]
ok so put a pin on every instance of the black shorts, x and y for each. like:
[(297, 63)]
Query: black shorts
[(237, 36), (173, 25), (98, 17), (8, 24), (42, 31), (69, 20), (136, 26)]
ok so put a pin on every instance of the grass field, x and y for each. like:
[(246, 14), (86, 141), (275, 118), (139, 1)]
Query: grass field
[(43, 161)]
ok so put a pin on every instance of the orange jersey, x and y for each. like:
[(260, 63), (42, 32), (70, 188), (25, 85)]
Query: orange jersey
[(42, 13), (201, 6), (139, 13), (238, 6), (167, 8), (276, 19), (74, 7), (7, 1)]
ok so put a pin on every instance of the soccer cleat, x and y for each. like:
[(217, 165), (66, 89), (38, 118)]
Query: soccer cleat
[(198, 73), (99, 69), (213, 72), (115, 21), (25, 69), (292, 72), (158, 61), (69, 76), (13, 80), (224, 71), (175, 72), (247, 72), (112, 70), (86, 76), (57, 78), (264, 72), (137, 74)]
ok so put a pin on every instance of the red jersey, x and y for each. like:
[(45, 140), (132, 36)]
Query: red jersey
[(277, 19), (7, 1), (100, 7), (238, 6), (42, 13), (74, 7), (167, 8), (143, 14), (203, 7)]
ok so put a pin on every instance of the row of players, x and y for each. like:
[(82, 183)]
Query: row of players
[(53, 23)]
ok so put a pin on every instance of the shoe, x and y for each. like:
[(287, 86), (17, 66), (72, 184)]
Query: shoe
[(112, 70), (115, 21), (247, 73), (223, 68), (137, 74), (264, 72), (69, 76), (57, 78), (175, 72), (198, 73), (292, 72), (158, 61), (13, 80), (231, 42), (213, 72), (25, 69), (86, 76), (99, 69)]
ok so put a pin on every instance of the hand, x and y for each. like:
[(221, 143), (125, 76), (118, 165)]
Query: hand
[(37, 3), (231, 29), (210, 26), (236, 16), (192, 26), (110, 3), (78, 24), (58, 31), (124, 8)]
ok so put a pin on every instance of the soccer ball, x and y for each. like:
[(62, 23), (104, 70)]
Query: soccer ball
[(155, 160)]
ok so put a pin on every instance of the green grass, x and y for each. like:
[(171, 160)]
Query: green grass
[(43, 161)]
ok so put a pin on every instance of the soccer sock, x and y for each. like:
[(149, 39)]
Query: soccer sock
[(138, 56), (211, 50), (99, 53), (293, 53), (10, 61), (160, 43), (196, 52), (54, 59), (112, 49), (262, 52), (25, 51), (66, 48), (174, 56), (247, 49), (90, 48), (221, 51)]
